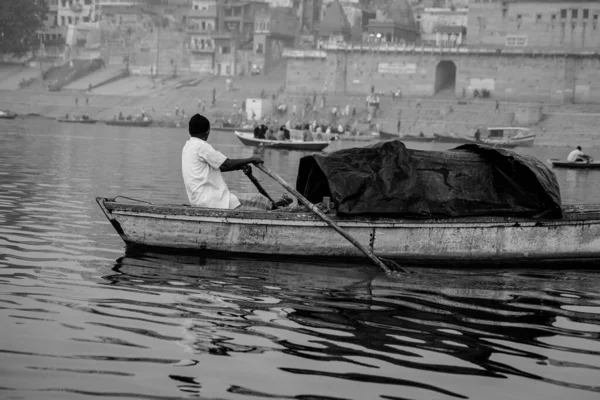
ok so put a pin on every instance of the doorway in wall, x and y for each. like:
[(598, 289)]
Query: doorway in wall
[(445, 78)]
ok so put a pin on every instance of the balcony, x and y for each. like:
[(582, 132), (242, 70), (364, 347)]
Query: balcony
[(195, 29), (200, 49)]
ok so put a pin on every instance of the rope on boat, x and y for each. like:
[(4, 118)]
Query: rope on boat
[(131, 198)]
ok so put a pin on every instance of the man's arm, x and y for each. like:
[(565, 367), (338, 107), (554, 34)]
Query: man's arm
[(233, 164)]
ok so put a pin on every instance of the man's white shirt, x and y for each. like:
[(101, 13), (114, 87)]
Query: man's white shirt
[(574, 155), (203, 179)]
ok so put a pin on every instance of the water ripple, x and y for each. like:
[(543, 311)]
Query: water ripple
[(82, 318)]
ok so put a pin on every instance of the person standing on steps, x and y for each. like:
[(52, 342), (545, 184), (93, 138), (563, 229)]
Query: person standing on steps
[(399, 120), (76, 101)]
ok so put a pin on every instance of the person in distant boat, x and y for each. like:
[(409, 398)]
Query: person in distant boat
[(579, 156), (202, 168), (270, 135), (286, 132), (257, 132), (264, 129), (307, 135), (279, 135)]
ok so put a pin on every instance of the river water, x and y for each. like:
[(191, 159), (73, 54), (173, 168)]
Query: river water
[(80, 318)]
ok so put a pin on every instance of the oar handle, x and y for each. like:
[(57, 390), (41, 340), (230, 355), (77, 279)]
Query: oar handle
[(248, 171), (325, 218)]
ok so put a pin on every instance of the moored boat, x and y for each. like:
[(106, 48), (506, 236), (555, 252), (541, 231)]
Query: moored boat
[(77, 120), (6, 114), (556, 163), (278, 233), (125, 122), (405, 138), (505, 137), (248, 139), (232, 129)]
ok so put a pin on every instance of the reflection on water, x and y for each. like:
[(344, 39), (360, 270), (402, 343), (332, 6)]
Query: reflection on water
[(80, 318)]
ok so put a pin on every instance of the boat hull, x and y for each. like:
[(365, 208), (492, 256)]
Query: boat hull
[(574, 165), (142, 124), (250, 140), (288, 234), (526, 141), (232, 129), (83, 121), (405, 138)]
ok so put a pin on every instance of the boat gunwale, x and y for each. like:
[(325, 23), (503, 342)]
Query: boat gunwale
[(244, 135), (586, 213)]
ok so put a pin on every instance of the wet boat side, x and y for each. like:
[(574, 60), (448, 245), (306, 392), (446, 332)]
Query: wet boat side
[(477, 239)]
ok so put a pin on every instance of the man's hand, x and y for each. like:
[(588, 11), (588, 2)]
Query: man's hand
[(256, 160)]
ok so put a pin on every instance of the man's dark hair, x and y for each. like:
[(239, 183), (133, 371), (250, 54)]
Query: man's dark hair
[(579, 148), (198, 125)]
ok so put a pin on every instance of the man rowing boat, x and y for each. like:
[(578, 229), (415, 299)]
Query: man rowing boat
[(202, 168), (579, 156)]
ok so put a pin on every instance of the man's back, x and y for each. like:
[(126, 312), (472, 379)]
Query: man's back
[(574, 155), (204, 183)]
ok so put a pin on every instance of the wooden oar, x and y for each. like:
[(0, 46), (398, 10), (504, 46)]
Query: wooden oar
[(248, 171), (331, 223)]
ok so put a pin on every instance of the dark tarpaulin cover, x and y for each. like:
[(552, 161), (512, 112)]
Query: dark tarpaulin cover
[(387, 179)]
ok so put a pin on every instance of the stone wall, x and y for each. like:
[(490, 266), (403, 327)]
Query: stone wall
[(508, 76), (305, 75)]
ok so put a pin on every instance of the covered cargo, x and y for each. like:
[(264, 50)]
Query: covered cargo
[(387, 179)]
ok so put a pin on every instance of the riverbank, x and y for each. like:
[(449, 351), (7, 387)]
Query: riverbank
[(559, 125)]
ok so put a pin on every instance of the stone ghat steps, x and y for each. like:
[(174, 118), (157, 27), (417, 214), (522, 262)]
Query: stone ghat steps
[(12, 78)]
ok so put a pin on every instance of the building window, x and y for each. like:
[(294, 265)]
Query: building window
[(86, 19), (538, 17), (225, 50), (563, 13), (62, 21), (196, 7), (259, 48), (595, 17), (586, 14), (87, 2), (203, 25), (574, 13), (553, 17), (69, 20)]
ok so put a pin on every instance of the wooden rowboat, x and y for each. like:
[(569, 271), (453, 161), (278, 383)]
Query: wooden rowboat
[(232, 129), (556, 163), (301, 234), (79, 120), (125, 122), (6, 114), (249, 140), (505, 137), (405, 138)]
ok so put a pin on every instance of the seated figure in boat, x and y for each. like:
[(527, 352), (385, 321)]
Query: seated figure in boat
[(286, 132), (307, 135), (258, 132), (477, 135), (579, 156), (279, 135), (271, 135), (202, 168)]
